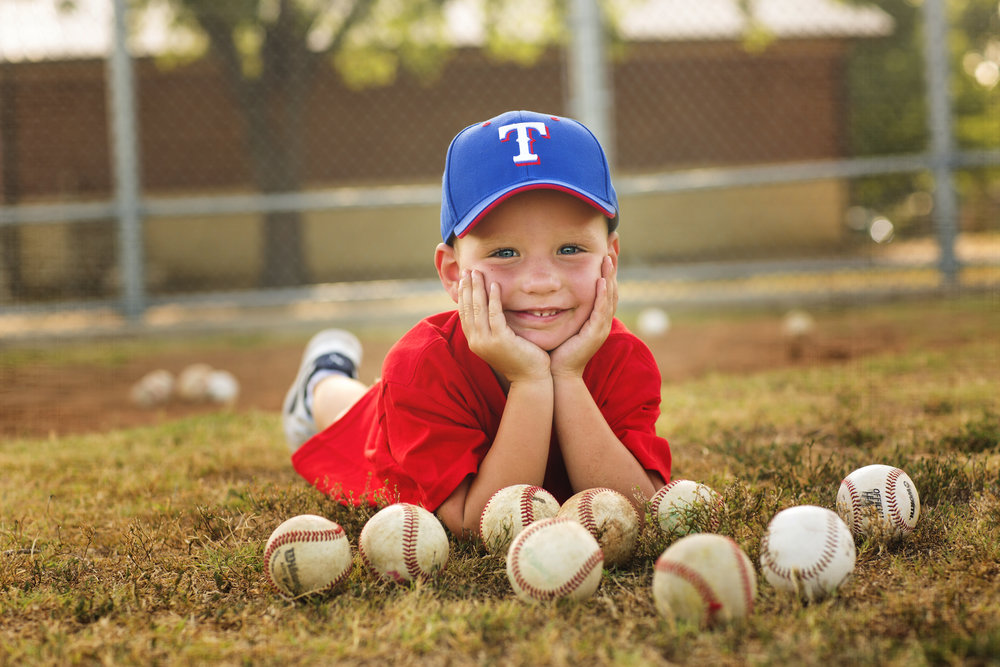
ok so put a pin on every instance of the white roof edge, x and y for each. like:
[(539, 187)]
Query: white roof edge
[(34, 30)]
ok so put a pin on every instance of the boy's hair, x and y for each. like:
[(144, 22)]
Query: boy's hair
[(516, 151)]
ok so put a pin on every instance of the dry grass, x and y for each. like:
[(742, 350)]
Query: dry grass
[(145, 546)]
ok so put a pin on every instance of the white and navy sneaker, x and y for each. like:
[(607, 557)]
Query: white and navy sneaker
[(329, 351)]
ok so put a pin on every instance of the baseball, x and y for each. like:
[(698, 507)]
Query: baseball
[(192, 382), (705, 580), (510, 510), (307, 554), (878, 501), (153, 388), (222, 387), (554, 558), (403, 542), (683, 506), (653, 322), (610, 518), (807, 550), (797, 324)]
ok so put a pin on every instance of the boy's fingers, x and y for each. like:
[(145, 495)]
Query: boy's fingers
[(479, 305), (496, 318)]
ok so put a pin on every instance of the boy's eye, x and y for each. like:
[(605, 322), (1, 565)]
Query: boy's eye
[(570, 250), (504, 253)]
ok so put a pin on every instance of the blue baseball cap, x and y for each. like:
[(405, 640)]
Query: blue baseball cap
[(517, 151)]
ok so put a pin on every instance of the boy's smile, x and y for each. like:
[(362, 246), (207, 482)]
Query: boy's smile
[(544, 249)]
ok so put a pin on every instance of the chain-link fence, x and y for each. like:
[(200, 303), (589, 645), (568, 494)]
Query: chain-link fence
[(162, 152)]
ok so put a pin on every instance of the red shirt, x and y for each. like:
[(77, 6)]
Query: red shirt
[(428, 422)]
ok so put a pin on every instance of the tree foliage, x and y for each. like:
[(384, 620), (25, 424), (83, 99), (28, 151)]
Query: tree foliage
[(888, 98)]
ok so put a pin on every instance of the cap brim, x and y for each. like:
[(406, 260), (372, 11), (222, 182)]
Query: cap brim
[(484, 207)]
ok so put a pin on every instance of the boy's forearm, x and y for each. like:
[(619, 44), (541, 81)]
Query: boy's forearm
[(518, 454), (594, 455)]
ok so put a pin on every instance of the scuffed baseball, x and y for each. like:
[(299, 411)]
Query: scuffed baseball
[(878, 501), (554, 558), (403, 542), (510, 510), (192, 382), (704, 580), (684, 506), (653, 322), (610, 518), (307, 554), (807, 550), (222, 387), (152, 389)]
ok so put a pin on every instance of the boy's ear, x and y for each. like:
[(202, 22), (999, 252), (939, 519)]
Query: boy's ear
[(613, 248), (446, 262)]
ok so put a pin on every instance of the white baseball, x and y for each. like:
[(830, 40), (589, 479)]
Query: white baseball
[(510, 510), (554, 558), (653, 322), (878, 501), (403, 542), (610, 518), (705, 580), (797, 324), (153, 388), (807, 550), (307, 554), (192, 382), (222, 387), (683, 506)]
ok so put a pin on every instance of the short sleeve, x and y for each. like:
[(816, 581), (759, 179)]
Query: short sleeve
[(439, 427), (625, 382)]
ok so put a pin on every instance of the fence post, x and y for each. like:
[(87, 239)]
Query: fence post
[(589, 90), (123, 124), (942, 142)]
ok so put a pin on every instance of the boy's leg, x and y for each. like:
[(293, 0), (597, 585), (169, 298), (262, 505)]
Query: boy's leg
[(332, 396), (330, 354)]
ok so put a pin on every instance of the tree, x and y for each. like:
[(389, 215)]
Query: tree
[(270, 51), (888, 106)]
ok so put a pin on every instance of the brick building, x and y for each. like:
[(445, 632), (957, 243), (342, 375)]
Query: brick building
[(686, 95)]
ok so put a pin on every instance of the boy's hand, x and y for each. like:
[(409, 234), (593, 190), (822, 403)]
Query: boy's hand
[(485, 327), (570, 358)]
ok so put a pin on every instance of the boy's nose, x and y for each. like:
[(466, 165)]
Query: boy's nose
[(540, 277)]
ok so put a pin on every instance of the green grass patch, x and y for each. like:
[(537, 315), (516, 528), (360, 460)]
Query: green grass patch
[(146, 546)]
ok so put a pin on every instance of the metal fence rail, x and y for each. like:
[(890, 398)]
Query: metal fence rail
[(589, 96)]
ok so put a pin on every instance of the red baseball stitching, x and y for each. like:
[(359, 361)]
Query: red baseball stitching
[(855, 506), (594, 560), (411, 532), (587, 510), (744, 577), (714, 510), (891, 480), (661, 494), (482, 516), (303, 536), (528, 505), (704, 590)]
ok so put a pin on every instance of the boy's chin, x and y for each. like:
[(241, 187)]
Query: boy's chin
[(547, 342)]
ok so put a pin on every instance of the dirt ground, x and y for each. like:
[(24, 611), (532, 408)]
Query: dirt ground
[(44, 399)]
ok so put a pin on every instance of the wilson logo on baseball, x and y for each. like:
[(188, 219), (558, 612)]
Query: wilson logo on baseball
[(879, 502)]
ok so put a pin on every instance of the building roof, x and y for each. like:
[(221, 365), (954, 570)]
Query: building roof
[(39, 30), (682, 20)]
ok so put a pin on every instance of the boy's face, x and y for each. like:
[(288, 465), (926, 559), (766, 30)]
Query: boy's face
[(544, 248)]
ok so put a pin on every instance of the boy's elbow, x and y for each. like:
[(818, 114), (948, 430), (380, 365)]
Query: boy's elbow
[(453, 514), (457, 524)]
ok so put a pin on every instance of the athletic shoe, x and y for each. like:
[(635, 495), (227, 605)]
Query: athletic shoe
[(332, 350)]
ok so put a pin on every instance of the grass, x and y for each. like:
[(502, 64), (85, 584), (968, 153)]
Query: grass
[(145, 546)]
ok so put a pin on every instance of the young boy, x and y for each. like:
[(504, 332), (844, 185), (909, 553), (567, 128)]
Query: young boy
[(532, 380)]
